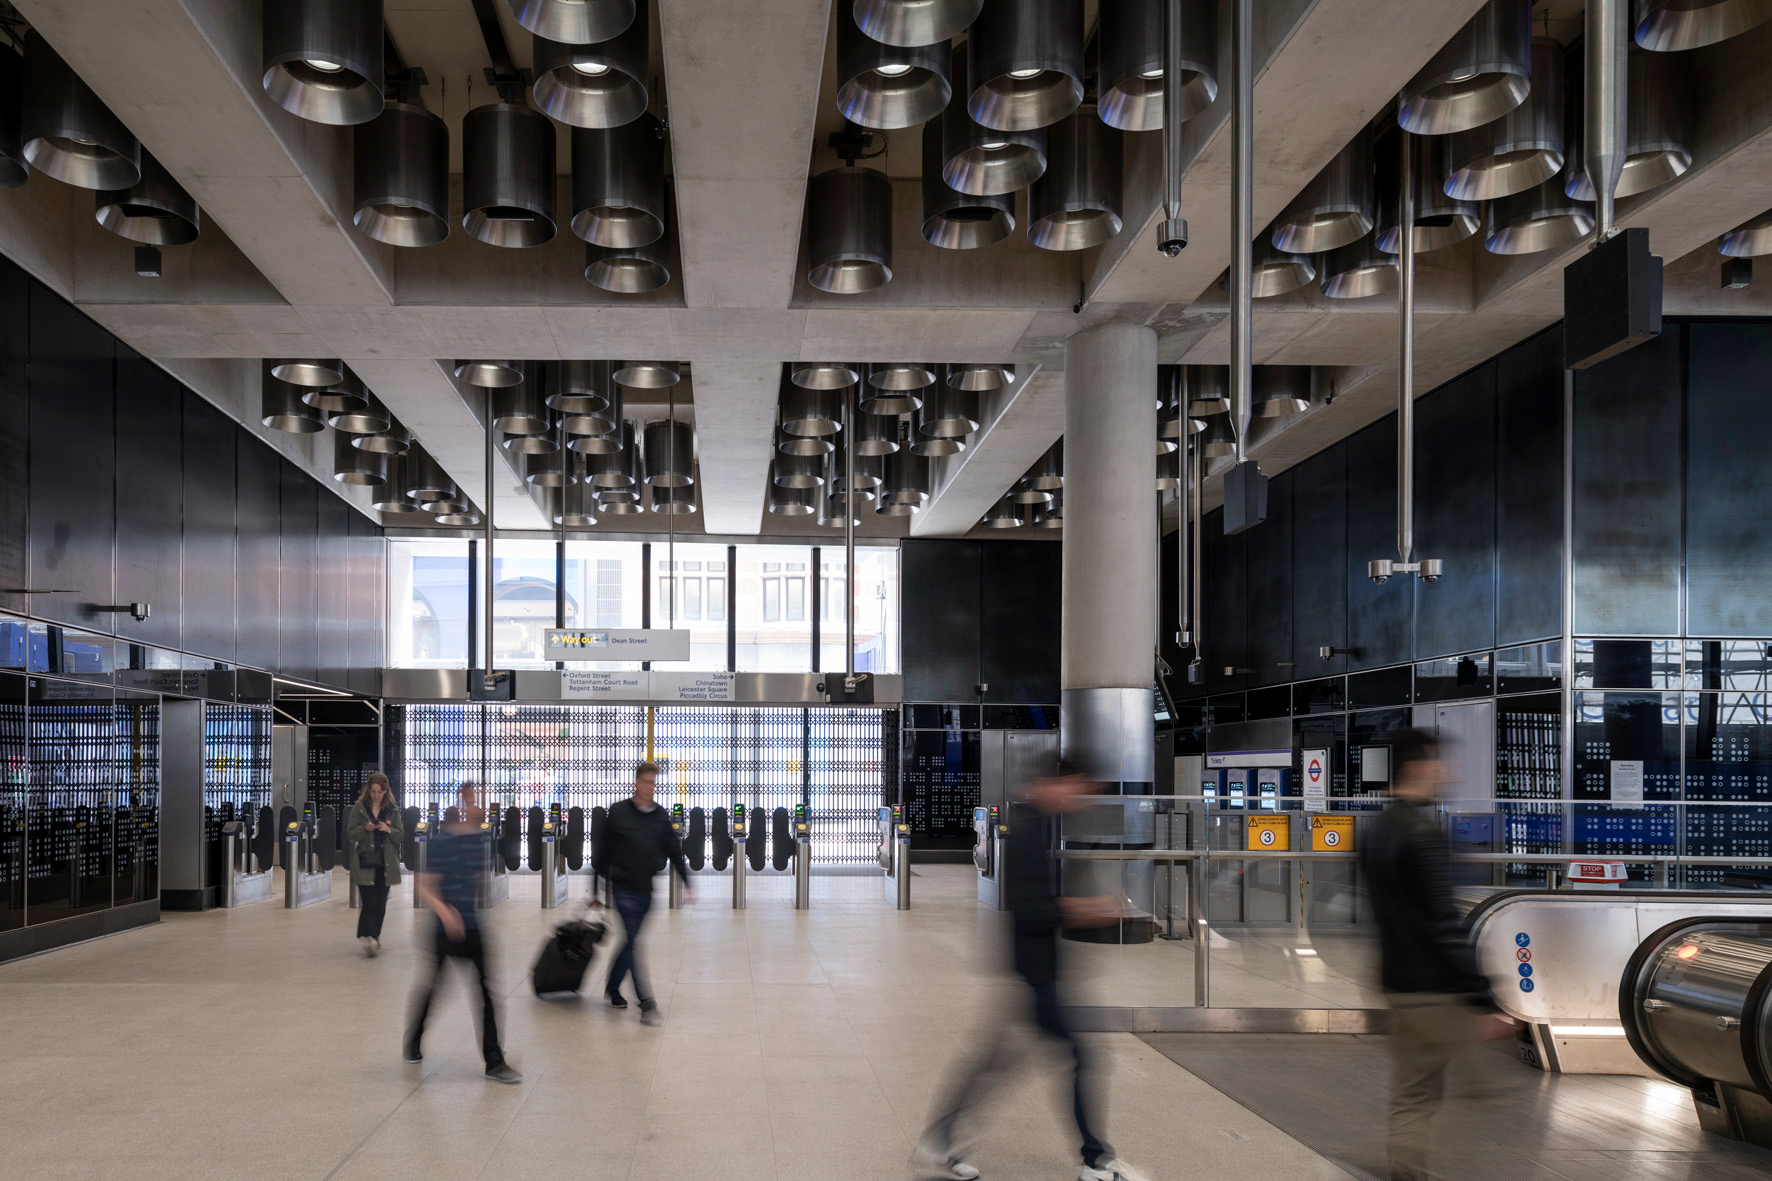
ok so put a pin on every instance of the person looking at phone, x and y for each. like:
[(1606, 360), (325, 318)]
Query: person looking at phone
[(374, 831)]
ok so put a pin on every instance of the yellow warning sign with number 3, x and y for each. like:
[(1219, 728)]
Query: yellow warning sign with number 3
[(1269, 832)]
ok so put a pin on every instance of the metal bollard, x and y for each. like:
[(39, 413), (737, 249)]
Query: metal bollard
[(802, 873)]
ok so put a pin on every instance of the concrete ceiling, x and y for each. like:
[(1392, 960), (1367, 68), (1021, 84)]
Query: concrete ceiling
[(748, 91)]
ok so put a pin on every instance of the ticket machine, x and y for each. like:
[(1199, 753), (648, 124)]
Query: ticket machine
[(991, 828)]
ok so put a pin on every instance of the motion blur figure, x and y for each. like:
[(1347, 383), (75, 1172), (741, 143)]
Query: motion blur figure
[(450, 887), (1441, 1006), (1030, 872), (634, 843)]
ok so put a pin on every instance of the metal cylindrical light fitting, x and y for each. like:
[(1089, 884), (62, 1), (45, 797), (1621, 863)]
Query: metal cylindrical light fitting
[(954, 220), (907, 478), (1025, 493), (613, 468), (521, 409), (1521, 149), (849, 215), (628, 270), (391, 497), (425, 478), (1440, 221), (618, 183), (814, 413), (1667, 25), (889, 86), (804, 445), (670, 454), (1169, 466), (576, 21), (647, 375), (281, 408), (155, 209), (1207, 389), (550, 470), (489, 375), (896, 389), (951, 413), (310, 372), (874, 434), (1218, 441), (581, 388), (464, 516), (400, 176), (599, 84), (1131, 38), (1282, 390), (979, 378), (830, 509), (1539, 219), (1024, 63), (1047, 474), (1076, 203), (1484, 72), (575, 506), (913, 22), (371, 418), (798, 471), (1051, 517), (546, 443), (507, 175), (14, 168), (67, 132), (1658, 131), (822, 375), (1357, 271), (1335, 208), (1274, 272), (674, 501), (396, 440), (792, 500), (981, 161), (351, 466), (1171, 395), (323, 58), (870, 473), (1751, 239), (345, 395), (1000, 515)]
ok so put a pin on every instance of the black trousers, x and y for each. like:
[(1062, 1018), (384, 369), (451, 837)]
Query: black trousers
[(374, 908), (471, 949)]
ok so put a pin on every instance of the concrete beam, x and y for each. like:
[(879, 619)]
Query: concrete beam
[(1018, 426)]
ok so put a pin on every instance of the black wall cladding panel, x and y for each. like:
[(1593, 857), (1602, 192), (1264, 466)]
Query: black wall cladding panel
[(1627, 491), (367, 575), (258, 527), (1529, 491), (1018, 620), (150, 500), (15, 404), (1227, 605), (73, 464), (1319, 562), (298, 600), (940, 619), (1269, 563), (209, 542), (1455, 515), (332, 568), (1728, 494), (1380, 623)]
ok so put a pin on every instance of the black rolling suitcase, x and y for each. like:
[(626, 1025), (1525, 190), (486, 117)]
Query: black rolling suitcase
[(560, 969)]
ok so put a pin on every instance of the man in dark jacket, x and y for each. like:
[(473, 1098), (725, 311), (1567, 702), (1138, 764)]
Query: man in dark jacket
[(1440, 1002), (1030, 875), (634, 843)]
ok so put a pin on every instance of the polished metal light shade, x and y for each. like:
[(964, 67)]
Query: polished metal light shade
[(281, 408), (628, 270), (823, 375), (831, 506), (1051, 517), (907, 478), (396, 440), (670, 454), (1169, 470), (371, 418), (546, 443), (1280, 390), (948, 414), (979, 378), (804, 444), (1130, 34), (1658, 132), (582, 388), (1047, 474), (913, 22), (507, 175), (1024, 63), (1170, 396), (954, 220), (888, 86), (155, 209), (618, 183), (1219, 440), (599, 433), (896, 389), (1358, 271), (1207, 389), (870, 473), (1521, 149), (67, 132), (347, 394), (391, 497), (14, 168), (792, 500), (400, 176), (351, 466), (553, 469), (981, 161), (615, 506), (811, 413), (1076, 203), (798, 471), (576, 21), (1001, 515), (1440, 221), (1025, 493), (311, 372), (930, 446), (323, 58), (575, 506), (1335, 208), (849, 216), (1666, 25), (464, 516), (425, 478), (874, 434), (647, 375), (598, 84), (521, 409), (1751, 239), (1480, 75), (676, 502), (1538, 219), (616, 468)]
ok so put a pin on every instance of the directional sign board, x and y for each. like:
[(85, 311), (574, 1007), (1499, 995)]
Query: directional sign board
[(616, 644)]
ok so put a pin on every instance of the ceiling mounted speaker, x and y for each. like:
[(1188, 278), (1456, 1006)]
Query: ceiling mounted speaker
[(1000, 516), (1280, 390), (849, 215), (628, 270), (670, 454), (1024, 63), (1131, 38), (618, 183), (521, 409), (323, 58), (1218, 441), (1480, 75), (391, 497), (371, 418), (895, 389), (954, 220), (792, 500), (351, 466), (981, 161), (311, 372), (346, 395), (1750, 239), (1047, 474), (979, 378), (1207, 388), (396, 440), (1521, 149), (1359, 270), (1335, 208), (490, 375), (1538, 219), (889, 86), (67, 132), (913, 22), (674, 501), (1440, 221), (154, 210), (1666, 25), (281, 408), (582, 388), (425, 478), (874, 434), (1076, 203), (507, 175), (14, 168), (576, 21), (907, 479), (647, 375), (599, 84), (400, 176), (798, 471), (614, 468), (1658, 130), (550, 470), (811, 412)]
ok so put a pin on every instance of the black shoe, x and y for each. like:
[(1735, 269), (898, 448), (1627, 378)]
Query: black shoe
[(616, 1000), (649, 1013), (411, 1054), (503, 1073)]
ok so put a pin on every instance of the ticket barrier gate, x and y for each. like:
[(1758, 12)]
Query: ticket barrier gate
[(495, 882), (895, 857), (304, 883), (679, 822), (738, 824), (421, 845), (554, 882), (802, 859), (240, 885), (991, 829)]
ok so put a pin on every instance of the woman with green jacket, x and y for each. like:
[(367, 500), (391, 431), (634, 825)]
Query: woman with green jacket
[(374, 832)]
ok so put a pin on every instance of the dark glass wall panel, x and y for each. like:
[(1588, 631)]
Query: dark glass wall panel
[(258, 526), (298, 604), (208, 530), (1018, 620), (1455, 515), (1319, 562), (1728, 510), (1225, 562), (150, 499), (368, 572), (1380, 626), (1529, 490), (79, 779), (73, 463), (15, 402), (333, 575), (1627, 491), (1269, 563), (15, 753), (939, 613)]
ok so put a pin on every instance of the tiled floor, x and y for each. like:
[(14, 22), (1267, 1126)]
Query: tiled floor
[(259, 1043)]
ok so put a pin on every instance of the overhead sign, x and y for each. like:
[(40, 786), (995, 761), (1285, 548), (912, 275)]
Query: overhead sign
[(1332, 834), (1269, 832), (1250, 758), (637, 685), (651, 643), (1316, 780)]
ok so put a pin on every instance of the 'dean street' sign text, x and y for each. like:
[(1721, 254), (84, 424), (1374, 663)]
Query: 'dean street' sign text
[(616, 644)]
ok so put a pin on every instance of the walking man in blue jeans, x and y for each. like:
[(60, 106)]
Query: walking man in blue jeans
[(634, 844)]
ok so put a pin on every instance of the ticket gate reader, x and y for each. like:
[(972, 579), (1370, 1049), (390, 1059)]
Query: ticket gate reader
[(495, 883), (679, 822), (303, 885), (553, 879), (802, 859), (991, 828), (739, 830), (421, 845), (895, 857), (240, 885)]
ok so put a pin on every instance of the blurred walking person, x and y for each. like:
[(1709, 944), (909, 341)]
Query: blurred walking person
[(450, 887), (634, 843), (374, 831), (1441, 1006), (1029, 872)]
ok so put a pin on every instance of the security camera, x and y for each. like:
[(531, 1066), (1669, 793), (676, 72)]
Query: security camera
[(1172, 236)]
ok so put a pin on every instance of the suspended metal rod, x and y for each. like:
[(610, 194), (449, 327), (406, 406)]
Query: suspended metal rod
[(1184, 634), (1242, 217), (1607, 47), (486, 521), (1196, 672), (1172, 235), (850, 394)]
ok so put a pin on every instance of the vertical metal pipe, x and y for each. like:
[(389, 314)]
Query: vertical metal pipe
[(566, 461), (1242, 216), (1172, 237), (1406, 349), (1199, 613), (1566, 735), (1607, 36), (850, 395), (486, 521), (1183, 519)]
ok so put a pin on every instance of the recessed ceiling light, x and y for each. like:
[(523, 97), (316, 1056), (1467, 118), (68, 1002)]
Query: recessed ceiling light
[(894, 70), (591, 69), (324, 65)]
